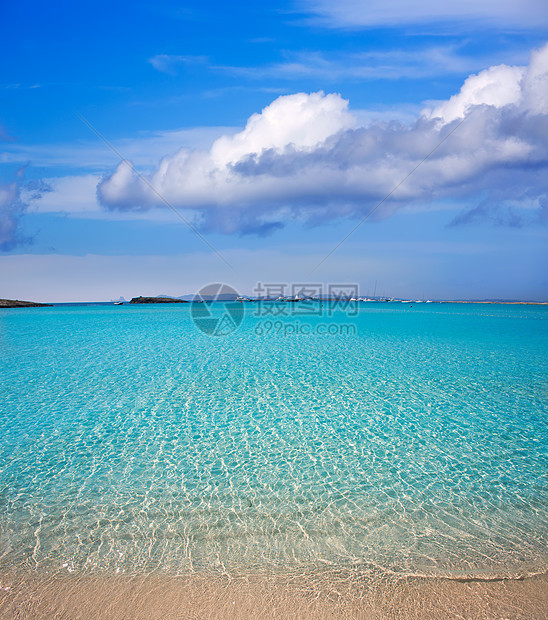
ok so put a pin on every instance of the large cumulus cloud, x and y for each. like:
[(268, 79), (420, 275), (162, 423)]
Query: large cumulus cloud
[(305, 157)]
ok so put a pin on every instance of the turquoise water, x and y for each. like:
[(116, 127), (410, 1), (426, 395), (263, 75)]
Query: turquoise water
[(132, 442)]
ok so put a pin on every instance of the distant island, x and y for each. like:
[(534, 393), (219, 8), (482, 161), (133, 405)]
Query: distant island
[(164, 299), (16, 303), (157, 300)]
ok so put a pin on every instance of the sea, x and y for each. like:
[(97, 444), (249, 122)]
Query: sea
[(404, 439)]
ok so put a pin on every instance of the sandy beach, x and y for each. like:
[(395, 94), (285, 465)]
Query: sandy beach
[(336, 594)]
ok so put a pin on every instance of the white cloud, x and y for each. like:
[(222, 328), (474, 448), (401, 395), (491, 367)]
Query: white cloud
[(305, 157), (354, 14), (497, 86), (525, 88), (303, 121), (535, 87), (297, 123)]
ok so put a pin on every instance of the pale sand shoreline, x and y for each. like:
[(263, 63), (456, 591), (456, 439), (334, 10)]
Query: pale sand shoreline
[(334, 594)]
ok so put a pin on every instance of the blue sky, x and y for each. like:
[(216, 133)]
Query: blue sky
[(273, 130)]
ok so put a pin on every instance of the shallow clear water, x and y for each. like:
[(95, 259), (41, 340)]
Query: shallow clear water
[(133, 442)]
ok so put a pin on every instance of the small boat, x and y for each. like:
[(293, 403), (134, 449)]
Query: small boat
[(118, 303)]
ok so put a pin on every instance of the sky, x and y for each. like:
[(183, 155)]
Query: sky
[(153, 148)]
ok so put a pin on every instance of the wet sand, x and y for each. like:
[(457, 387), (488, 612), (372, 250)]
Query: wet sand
[(332, 594)]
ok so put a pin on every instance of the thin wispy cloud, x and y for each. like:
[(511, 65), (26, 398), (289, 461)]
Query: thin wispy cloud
[(372, 65), (394, 64), (356, 14), (171, 64), (144, 149)]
